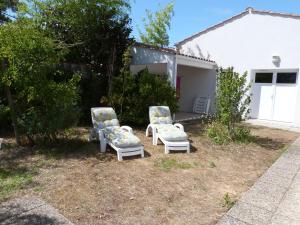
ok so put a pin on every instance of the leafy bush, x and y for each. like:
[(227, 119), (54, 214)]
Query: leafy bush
[(96, 32), (41, 103), (232, 102), (4, 115), (232, 98), (242, 134), (133, 94), (218, 133)]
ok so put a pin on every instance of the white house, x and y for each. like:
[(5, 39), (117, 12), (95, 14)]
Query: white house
[(191, 76), (262, 43)]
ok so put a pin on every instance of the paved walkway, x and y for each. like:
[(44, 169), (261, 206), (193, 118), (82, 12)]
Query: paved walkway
[(275, 197), (274, 124), (30, 211)]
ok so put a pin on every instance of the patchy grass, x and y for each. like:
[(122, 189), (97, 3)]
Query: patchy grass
[(13, 180), (90, 187), (227, 201), (166, 164), (212, 164)]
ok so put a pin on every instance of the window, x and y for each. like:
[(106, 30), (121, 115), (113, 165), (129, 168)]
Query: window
[(286, 78), (263, 78)]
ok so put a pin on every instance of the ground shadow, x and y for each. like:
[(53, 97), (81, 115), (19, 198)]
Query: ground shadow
[(268, 143), (15, 214)]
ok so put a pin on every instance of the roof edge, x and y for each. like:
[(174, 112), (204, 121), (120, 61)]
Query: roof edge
[(169, 50), (248, 10)]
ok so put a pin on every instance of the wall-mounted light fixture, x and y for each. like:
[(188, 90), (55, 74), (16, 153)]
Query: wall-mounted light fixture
[(276, 59)]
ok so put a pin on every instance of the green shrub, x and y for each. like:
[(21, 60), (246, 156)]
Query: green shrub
[(232, 103), (232, 98), (43, 102), (218, 133), (242, 134), (133, 94)]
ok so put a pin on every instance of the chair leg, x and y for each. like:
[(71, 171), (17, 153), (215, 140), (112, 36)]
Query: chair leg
[(154, 139), (147, 131), (166, 150), (142, 154), (188, 148), (102, 146), (120, 158)]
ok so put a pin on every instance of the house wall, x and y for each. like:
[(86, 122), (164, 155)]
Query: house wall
[(194, 82), (159, 68), (248, 43), (145, 56)]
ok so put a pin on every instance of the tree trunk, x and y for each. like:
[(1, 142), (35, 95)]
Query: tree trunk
[(110, 72), (13, 114), (11, 104)]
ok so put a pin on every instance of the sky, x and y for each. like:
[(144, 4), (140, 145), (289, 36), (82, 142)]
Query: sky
[(192, 16)]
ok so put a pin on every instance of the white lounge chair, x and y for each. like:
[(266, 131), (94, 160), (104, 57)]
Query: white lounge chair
[(161, 127), (106, 128)]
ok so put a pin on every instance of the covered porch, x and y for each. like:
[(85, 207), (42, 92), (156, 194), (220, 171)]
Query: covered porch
[(194, 78)]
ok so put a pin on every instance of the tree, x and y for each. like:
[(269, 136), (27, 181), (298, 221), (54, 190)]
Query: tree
[(232, 97), (40, 101), (96, 32), (232, 103), (156, 28), (4, 6)]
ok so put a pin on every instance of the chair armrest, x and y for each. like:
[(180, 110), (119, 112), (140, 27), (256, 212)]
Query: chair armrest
[(179, 126), (127, 128)]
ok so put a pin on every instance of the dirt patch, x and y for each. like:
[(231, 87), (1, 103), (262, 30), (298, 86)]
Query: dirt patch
[(93, 188)]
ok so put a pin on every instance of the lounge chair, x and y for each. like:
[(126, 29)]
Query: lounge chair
[(106, 128), (161, 127)]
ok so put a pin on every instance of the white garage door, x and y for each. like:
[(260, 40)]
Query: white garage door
[(274, 96)]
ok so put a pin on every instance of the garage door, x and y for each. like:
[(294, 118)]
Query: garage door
[(274, 96)]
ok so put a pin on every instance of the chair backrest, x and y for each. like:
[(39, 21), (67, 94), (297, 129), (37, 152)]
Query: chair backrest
[(201, 105), (103, 117), (160, 115)]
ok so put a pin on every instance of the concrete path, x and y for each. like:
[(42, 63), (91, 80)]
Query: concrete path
[(274, 124), (30, 211), (275, 197)]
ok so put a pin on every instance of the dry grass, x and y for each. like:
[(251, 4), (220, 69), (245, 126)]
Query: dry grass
[(93, 188)]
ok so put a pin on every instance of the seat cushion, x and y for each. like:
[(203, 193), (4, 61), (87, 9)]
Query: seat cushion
[(121, 138), (104, 117), (160, 115), (171, 133)]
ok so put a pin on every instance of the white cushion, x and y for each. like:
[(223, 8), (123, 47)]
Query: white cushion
[(121, 138), (171, 133), (104, 117), (160, 115)]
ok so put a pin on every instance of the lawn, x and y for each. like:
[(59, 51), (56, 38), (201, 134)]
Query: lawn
[(89, 187)]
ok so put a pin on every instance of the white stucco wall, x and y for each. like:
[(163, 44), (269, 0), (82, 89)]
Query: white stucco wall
[(145, 56), (194, 82), (248, 43), (159, 68)]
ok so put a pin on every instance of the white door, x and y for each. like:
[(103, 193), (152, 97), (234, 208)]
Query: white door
[(274, 96), (263, 99)]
